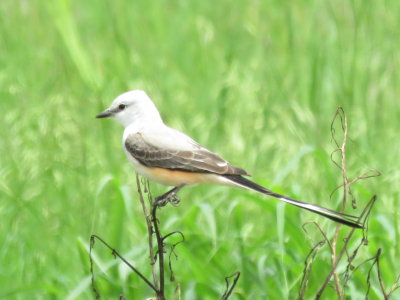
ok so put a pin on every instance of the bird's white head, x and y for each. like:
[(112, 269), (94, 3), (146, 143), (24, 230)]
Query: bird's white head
[(132, 107)]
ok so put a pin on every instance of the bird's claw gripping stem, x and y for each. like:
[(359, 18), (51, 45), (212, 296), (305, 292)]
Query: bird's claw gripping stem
[(169, 197)]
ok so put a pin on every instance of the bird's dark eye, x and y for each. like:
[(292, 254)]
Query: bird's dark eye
[(121, 106)]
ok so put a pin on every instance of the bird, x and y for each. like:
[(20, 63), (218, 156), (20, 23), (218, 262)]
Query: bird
[(170, 157)]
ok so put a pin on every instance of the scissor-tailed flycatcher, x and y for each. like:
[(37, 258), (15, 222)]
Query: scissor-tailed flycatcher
[(167, 156)]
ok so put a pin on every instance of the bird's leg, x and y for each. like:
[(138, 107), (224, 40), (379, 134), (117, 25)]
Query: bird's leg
[(169, 196)]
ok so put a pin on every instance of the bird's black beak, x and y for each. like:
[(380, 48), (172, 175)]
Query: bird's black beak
[(105, 114)]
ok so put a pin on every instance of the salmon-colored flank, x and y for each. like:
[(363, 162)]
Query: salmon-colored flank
[(175, 177)]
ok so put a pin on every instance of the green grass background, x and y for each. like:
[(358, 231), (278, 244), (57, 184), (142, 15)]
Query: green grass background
[(256, 81)]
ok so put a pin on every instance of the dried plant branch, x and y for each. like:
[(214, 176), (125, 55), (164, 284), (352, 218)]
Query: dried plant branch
[(153, 228), (172, 251), (396, 284), (363, 242), (376, 262), (354, 269), (320, 230), (350, 258), (346, 186), (375, 259), (115, 253), (378, 266), (92, 277), (367, 174), (342, 149), (158, 285), (149, 229), (160, 252), (173, 233), (364, 216), (229, 288), (308, 263)]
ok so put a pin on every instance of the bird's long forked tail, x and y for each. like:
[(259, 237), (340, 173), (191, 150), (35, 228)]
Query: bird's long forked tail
[(345, 219)]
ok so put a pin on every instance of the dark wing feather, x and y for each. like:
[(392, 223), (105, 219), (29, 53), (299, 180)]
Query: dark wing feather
[(196, 160)]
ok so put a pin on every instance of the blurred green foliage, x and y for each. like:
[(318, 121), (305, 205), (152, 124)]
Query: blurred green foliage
[(256, 81)]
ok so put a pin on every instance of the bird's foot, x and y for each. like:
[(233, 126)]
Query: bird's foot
[(175, 200), (167, 198)]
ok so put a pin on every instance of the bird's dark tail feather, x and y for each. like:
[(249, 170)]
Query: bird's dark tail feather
[(345, 219)]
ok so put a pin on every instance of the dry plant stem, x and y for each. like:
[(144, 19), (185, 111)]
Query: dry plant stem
[(378, 254), (149, 233), (229, 290), (309, 261), (160, 251), (93, 237), (375, 259), (152, 227), (342, 149), (365, 212), (346, 192), (367, 174), (350, 259), (376, 262), (394, 286), (94, 289), (320, 230), (172, 251)]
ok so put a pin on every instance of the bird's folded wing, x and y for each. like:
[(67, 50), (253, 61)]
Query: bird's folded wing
[(193, 158)]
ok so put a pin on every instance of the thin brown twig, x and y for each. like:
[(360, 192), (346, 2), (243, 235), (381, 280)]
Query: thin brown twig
[(160, 251), (364, 216), (94, 289), (312, 254), (363, 242), (149, 231), (350, 259), (342, 149), (153, 228), (319, 229), (172, 251), (376, 262), (308, 263), (346, 185), (229, 288), (394, 286), (375, 259), (378, 266), (367, 174), (115, 253), (354, 269), (152, 222)]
